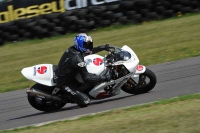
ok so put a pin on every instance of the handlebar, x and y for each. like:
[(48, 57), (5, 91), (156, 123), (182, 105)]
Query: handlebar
[(110, 57)]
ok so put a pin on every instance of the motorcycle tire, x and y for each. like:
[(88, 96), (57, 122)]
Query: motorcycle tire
[(141, 88), (39, 105)]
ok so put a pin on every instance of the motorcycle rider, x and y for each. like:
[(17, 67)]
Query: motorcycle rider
[(71, 63)]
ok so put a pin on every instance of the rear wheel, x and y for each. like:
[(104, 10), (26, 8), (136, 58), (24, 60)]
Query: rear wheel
[(147, 81), (44, 105)]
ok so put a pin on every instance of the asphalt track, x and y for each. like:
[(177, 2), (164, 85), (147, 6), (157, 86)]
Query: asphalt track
[(174, 79)]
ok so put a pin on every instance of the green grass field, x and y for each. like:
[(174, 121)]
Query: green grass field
[(154, 42), (177, 115)]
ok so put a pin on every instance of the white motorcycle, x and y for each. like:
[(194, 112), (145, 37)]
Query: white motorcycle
[(126, 73)]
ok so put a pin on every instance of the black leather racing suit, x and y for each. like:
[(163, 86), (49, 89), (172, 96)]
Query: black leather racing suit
[(72, 62)]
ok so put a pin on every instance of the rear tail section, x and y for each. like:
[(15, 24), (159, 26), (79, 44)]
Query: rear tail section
[(42, 73)]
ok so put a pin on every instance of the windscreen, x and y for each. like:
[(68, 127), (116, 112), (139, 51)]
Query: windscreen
[(122, 55)]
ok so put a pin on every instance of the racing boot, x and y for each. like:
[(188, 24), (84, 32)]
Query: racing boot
[(78, 97)]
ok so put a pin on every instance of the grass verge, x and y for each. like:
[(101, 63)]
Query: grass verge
[(154, 42), (177, 115)]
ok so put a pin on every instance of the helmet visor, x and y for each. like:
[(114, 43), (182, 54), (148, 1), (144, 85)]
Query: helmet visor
[(88, 45)]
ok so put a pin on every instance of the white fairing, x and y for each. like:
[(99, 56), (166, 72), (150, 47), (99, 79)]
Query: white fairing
[(132, 63), (95, 64), (42, 73)]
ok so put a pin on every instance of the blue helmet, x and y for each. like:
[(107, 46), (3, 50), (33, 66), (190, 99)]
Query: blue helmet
[(83, 42)]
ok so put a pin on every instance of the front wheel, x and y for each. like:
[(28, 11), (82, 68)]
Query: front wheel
[(43, 105), (147, 81)]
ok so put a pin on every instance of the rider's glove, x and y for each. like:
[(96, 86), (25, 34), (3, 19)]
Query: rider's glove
[(104, 47)]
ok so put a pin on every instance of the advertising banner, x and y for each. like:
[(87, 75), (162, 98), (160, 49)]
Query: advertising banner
[(74, 4), (17, 9)]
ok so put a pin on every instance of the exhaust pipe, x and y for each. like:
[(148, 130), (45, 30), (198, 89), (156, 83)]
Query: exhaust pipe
[(43, 95)]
